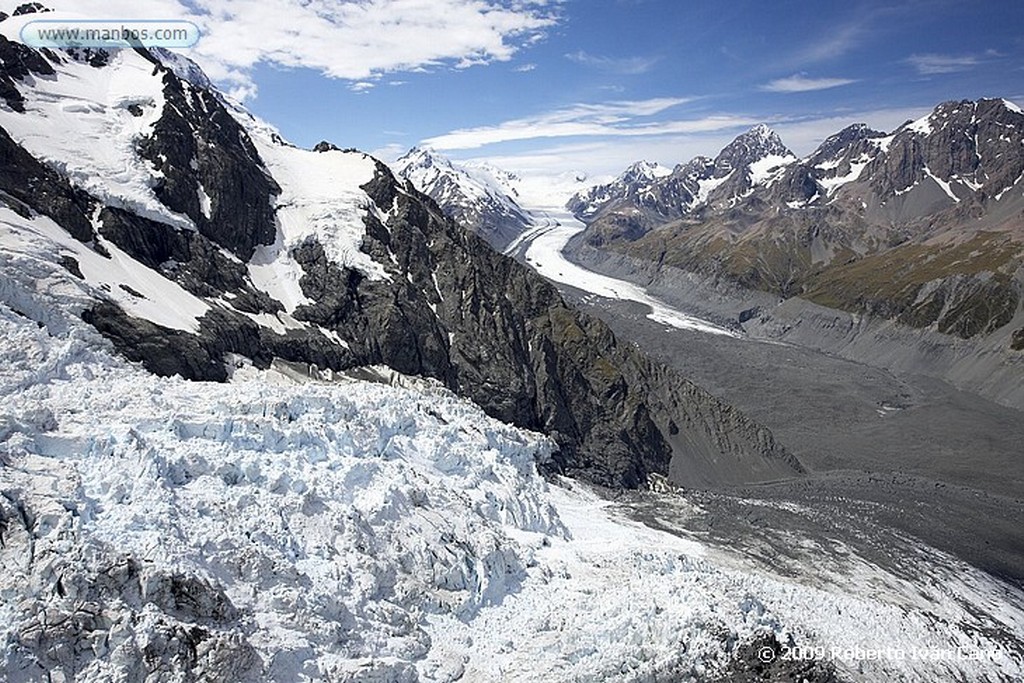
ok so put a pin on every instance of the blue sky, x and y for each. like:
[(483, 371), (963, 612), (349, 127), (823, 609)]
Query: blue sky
[(548, 86)]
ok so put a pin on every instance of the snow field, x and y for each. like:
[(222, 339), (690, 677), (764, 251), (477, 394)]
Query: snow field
[(320, 197)]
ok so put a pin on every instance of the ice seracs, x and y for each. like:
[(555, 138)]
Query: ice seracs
[(298, 523)]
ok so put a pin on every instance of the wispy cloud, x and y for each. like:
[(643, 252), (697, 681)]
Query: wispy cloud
[(627, 66), (836, 44), (801, 83), (357, 41), (868, 24), (930, 64), (524, 68), (609, 120)]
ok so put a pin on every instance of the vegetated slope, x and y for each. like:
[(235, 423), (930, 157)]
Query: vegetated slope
[(193, 233), (924, 226)]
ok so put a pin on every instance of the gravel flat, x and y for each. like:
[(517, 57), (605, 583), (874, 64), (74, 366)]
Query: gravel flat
[(908, 454)]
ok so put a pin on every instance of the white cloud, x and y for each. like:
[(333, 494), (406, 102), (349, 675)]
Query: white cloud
[(930, 64), (358, 41), (801, 83), (628, 66), (609, 119), (389, 152)]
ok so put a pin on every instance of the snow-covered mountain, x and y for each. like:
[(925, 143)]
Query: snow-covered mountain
[(187, 232), (754, 158), (635, 181), (645, 196), (480, 197)]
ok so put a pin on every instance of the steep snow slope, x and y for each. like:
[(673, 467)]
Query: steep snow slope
[(89, 120), (86, 122), (139, 290)]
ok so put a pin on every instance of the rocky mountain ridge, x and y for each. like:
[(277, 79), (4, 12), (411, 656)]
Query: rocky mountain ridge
[(634, 181), (644, 201)]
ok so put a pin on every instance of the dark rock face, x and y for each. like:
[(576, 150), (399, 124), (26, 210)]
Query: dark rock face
[(965, 140), (198, 146), (1017, 341), (494, 331), (187, 257), (30, 8), (27, 185), (18, 62)]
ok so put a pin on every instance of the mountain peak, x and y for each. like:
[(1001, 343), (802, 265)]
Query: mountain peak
[(838, 144), (423, 158), (644, 170), (480, 196), (763, 133), (758, 143)]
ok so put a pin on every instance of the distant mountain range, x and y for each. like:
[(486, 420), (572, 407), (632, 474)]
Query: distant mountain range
[(924, 225), (921, 227)]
